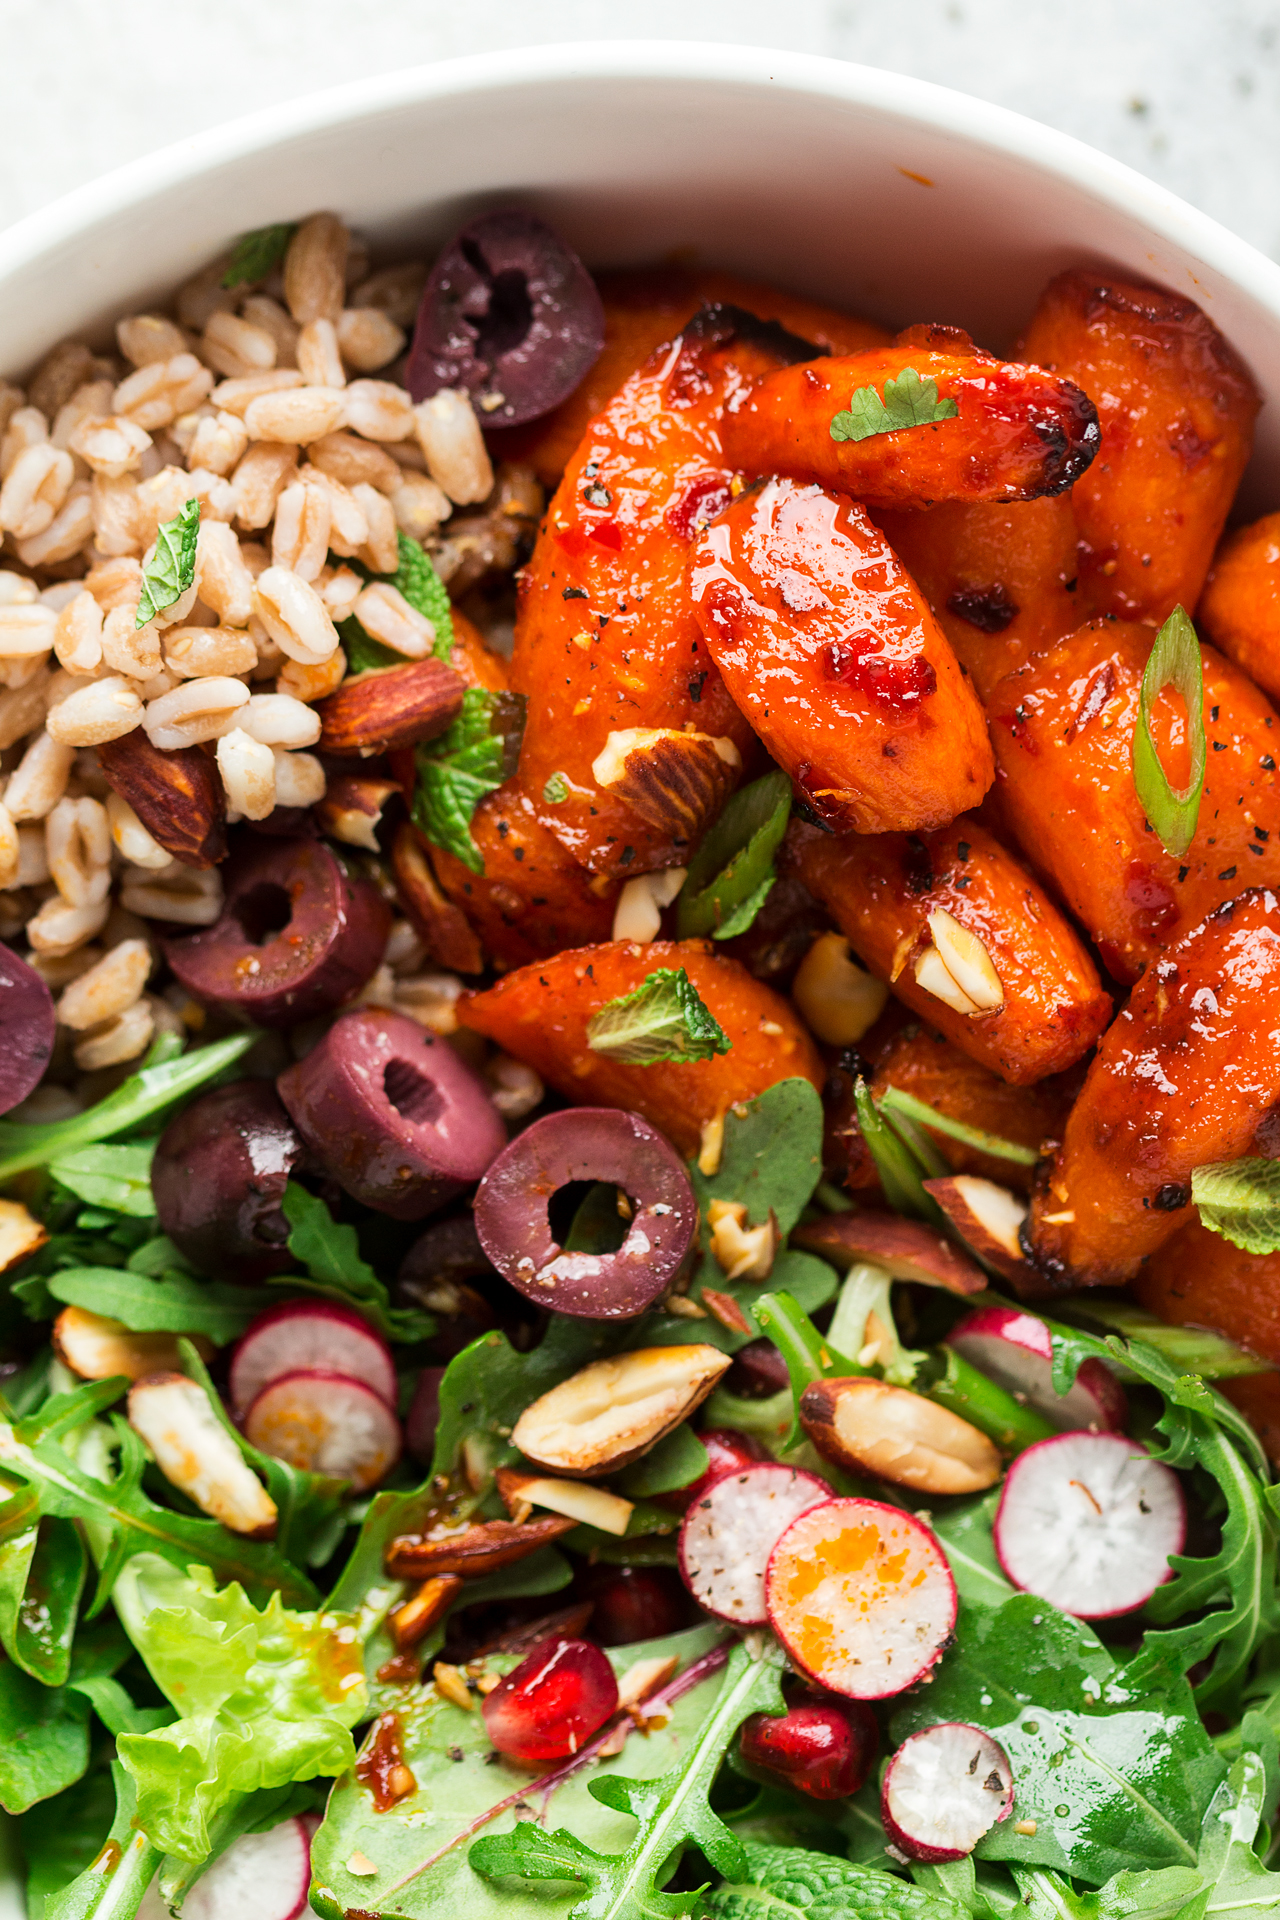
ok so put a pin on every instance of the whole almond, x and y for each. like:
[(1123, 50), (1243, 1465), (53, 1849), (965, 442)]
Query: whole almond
[(676, 782), (867, 1426), (177, 796), (388, 708)]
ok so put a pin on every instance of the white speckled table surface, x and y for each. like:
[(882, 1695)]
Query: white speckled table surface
[(1187, 91)]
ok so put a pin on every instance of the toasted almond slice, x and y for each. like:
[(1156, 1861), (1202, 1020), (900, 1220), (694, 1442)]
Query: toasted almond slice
[(481, 1548), (20, 1234), (742, 1252), (616, 1409), (196, 1454), (645, 1678), (931, 973), (414, 1620), (711, 1146), (867, 1426), (967, 961), (591, 1505), (906, 1249), (724, 1308), (97, 1348), (989, 1218)]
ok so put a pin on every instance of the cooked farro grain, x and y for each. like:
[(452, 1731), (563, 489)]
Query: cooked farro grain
[(419, 504), (102, 710), (300, 536), (58, 929), (260, 479), (109, 986), (131, 837), (70, 529), (315, 269), (78, 844), (191, 896), (234, 347), (34, 488), (294, 615), (319, 361), (453, 447), (368, 339), (77, 637), (218, 441), (194, 652), (108, 443), (248, 771), (146, 337), (300, 779), (114, 1041), (385, 613), (379, 410), (300, 415), (304, 682), (196, 711), (271, 316), (349, 460)]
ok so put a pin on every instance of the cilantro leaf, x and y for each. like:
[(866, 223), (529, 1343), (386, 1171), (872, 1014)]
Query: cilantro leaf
[(172, 566), (1240, 1199), (258, 252), (908, 401), (331, 1254), (664, 1018), (464, 763)]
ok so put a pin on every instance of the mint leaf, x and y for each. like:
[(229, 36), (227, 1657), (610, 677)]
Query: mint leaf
[(908, 401), (258, 252), (172, 566), (1240, 1199), (464, 763), (331, 1254), (665, 1018), (364, 653)]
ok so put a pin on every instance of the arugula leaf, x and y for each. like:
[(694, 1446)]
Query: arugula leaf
[(460, 766), (1174, 661), (965, 1531), (677, 1461), (260, 1705), (114, 1883), (118, 1178), (144, 1093), (172, 566), (1187, 1349), (908, 401), (673, 1812), (331, 1254), (42, 1575), (60, 1836), (786, 1883), (664, 1018), (258, 253), (731, 873), (1240, 1199), (169, 1303), (488, 1385)]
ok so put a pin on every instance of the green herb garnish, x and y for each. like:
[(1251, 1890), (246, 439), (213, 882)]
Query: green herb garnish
[(1240, 1199), (1174, 661), (258, 253), (908, 401), (417, 579), (457, 769), (730, 875), (895, 1102), (665, 1018), (172, 566), (556, 790)]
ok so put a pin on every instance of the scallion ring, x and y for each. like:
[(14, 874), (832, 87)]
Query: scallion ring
[(1174, 661)]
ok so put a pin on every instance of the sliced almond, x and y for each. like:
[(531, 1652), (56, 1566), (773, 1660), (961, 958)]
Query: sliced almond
[(20, 1234), (906, 1249), (647, 1677), (481, 1548), (616, 1409), (966, 959), (638, 914), (989, 1219), (573, 1498), (177, 795), (711, 1146), (742, 1252), (390, 707), (867, 1426), (97, 1348), (677, 782), (196, 1454), (724, 1308), (931, 973), (414, 1620)]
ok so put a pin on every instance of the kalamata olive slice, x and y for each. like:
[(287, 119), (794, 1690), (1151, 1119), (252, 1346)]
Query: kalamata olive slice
[(27, 1026), (392, 1113), (219, 1172), (587, 1144), (298, 935), (510, 314)]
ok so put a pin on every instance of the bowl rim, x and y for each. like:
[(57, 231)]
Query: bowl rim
[(978, 122)]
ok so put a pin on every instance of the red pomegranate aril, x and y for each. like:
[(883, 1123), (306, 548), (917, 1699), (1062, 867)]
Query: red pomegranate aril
[(820, 1746), (553, 1701)]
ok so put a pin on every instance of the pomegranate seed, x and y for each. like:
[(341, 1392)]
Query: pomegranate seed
[(820, 1746), (636, 1603), (553, 1701)]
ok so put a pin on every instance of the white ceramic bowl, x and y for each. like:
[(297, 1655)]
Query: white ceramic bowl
[(898, 199)]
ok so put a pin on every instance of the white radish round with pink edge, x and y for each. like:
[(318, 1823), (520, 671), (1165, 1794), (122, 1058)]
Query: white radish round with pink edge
[(309, 1333), (261, 1876), (1014, 1349), (328, 1423), (861, 1596), (729, 1533), (1087, 1521), (943, 1789)]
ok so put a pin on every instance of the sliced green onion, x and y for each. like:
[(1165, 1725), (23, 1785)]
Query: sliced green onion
[(952, 1382), (901, 1174), (905, 1105), (732, 871), (1174, 661)]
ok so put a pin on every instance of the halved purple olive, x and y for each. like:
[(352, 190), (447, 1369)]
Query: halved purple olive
[(220, 1169), (392, 1113), (510, 314), (27, 1027), (298, 936), (587, 1144)]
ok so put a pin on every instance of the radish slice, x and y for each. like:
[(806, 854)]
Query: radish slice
[(861, 1596), (1014, 1350), (1087, 1521), (261, 1876), (309, 1333), (729, 1533), (328, 1423), (943, 1789)]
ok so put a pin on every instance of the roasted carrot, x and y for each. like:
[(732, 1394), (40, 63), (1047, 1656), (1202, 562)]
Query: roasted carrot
[(1198, 1279), (1239, 609), (1176, 406), (1001, 580), (832, 654), (1016, 432), (885, 891), (469, 656), (532, 898), (643, 307), (541, 1014), (607, 645), (1062, 728), (1179, 1081)]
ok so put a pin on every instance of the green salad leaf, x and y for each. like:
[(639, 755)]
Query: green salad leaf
[(44, 1731), (172, 566), (788, 1883), (112, 1886), (168, 1303), (60, 1836), (1240, 1199), (732, 872), (258, 253), (330, 1252), (898, 1158), (475, 754), (894, 1100), (42, 1574), (266, 1697), (115, 1177), (1174, 661), (664, 1018), (908, 401)]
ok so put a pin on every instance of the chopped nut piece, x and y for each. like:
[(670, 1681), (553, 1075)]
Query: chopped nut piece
[(646, 1677), (481, 1548), (451, 1684), (415, 1619), (197, 1455), (724, 1308), (590, 1505), (615, 1410), (742, 1252)]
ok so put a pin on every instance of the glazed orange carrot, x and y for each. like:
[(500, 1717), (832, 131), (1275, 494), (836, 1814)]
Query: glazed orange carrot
[(1062, 728), (541, 1014), (1198, 1279), (532, 898), (1180, 1080), (1239, 609), (1176, 407), (1001, 580), (643, 307), (606, 642), (833, 656), (1046, 1007), (478, 664), (1016, 432)]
